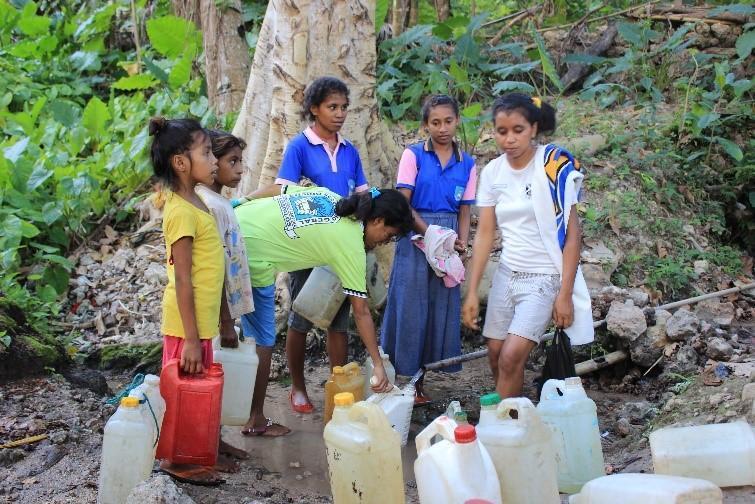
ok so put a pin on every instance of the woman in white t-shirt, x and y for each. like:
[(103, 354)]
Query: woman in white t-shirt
[(528, 192)]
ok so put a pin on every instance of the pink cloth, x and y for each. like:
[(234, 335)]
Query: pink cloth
[(438, 246), (173, 345)]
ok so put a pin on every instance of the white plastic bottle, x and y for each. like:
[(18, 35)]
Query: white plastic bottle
[(397, 406), (240, 374), (573, 419), (522, 452), (152, 405), (364, 454), (320, 297), (455, 469), (127, 453), (721, 453), (634, 488), (369, 368)]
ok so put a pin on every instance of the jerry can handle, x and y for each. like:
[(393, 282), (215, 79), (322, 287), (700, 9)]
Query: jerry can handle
[(376, 419), (521, 405), (350, 368), (551, 389), (442, 426)]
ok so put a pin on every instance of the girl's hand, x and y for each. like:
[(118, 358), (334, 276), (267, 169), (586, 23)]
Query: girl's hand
[(191, 356), (379, 381), (470, 311), (563, 311), (228, 336)]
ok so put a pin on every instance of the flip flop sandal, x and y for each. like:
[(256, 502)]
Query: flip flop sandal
[(422, 400), (185, 475), (300, 408), (262, 431)]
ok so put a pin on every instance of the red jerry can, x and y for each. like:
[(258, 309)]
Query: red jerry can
[(191, 426)]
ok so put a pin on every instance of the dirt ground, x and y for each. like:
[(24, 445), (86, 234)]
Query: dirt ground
[(64, 467)]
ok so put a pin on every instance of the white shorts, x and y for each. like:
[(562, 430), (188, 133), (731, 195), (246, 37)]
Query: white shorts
[(520, 303)]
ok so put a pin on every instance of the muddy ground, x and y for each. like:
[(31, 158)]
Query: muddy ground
[(64, 467)]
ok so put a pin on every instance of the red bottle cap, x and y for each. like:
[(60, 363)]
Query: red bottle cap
[(465, 434)]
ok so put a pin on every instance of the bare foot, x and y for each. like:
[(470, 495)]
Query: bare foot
[(194, 474), (227, 449), (226, 464)]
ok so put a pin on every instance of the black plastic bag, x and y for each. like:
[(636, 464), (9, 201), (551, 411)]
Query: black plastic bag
[(559, 360)]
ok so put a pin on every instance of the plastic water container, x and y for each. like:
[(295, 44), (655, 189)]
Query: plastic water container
[(191, 427), (364, 454), (154, 410), (346, 378), (397, 406), (127, 455), (573, 419), (369, 369), (240, 370), (522, 452), (721, 453), (635, 488), (455, 469), (320, 297)]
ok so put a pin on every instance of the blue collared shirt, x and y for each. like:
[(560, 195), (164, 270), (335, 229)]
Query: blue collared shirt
[(308, 155), (437, 188)]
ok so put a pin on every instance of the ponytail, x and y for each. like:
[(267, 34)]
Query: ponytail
[(534, 109), (388, 204)]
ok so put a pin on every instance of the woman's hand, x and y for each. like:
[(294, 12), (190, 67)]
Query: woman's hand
[(380, 383), (228, 336), (470, 311), (563, 310), (191, 356)]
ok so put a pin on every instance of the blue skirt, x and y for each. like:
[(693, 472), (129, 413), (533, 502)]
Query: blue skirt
[(422, 320)]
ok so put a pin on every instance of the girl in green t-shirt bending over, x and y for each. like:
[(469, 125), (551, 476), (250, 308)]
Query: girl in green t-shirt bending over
[(304, 227)]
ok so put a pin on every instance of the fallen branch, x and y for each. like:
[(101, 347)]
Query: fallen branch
[(524, 14), (577, 71), (682, 19), (504, 18), (600, 18), (24, 441)]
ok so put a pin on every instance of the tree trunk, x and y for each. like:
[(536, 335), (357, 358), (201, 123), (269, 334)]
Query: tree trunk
[(299, 41), (399, 16), (443, 8), (226, 53)]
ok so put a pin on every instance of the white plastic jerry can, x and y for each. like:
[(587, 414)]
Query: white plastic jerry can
[(522, 452), (635, 488), (127, 453), (573, 419), (240, 373), (152, 405), (369, 368), (397, 406), (320, 297), (721, 453), (457, 468), (364, 454), (376, 290)]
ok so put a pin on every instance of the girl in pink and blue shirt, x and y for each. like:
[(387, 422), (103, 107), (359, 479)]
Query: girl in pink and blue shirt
[(422, 317)]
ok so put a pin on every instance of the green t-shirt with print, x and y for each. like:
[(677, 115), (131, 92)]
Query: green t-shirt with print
[(298, 230)]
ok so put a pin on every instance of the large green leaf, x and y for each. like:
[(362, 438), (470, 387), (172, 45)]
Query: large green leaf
[(13, 152), (38, 177), (173, 36), (180, 74), (745, 44), (510, 86), (96, 115), (33, 25), (381, 10), (545, 60), (133, 82), (731, 148)]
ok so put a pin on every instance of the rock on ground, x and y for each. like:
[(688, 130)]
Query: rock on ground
[(682, 325), (719, 349), (626, 321), (159, 489), (715, 312)]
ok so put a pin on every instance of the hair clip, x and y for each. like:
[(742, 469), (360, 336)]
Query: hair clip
[(537, 101), (375, 192)]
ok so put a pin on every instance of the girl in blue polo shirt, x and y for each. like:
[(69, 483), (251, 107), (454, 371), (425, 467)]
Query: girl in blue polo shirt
[(422, 320), (326, 158)]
